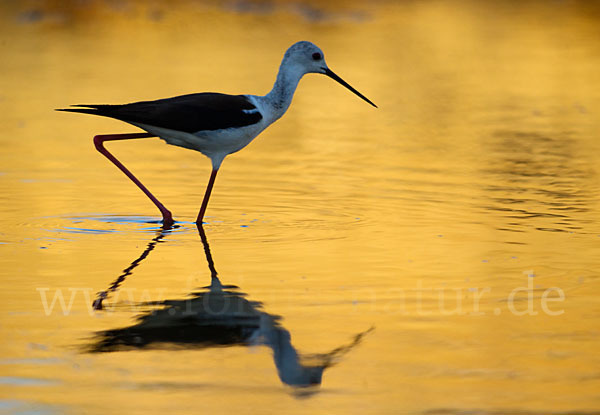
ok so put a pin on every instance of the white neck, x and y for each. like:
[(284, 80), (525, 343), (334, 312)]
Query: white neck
[(287, 361), (280, 97)]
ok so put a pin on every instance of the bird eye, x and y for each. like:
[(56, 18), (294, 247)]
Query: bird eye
[(316, 56)]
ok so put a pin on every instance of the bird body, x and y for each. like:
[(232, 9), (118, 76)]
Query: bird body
[(217, 143), (212, 123)]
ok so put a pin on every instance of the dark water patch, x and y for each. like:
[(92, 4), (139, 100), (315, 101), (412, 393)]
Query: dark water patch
[(22, 381), (551, 230), (13, 406), (31, 361), (150, 224), (84, 230), (510, 230), (543, 174), (309, 12)]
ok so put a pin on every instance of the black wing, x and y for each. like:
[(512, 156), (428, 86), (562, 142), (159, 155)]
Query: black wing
[(189, 113)]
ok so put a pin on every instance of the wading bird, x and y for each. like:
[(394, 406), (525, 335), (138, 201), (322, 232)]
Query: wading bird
[(214, 124)]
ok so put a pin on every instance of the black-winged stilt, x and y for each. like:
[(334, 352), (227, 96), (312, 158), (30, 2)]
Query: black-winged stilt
[(214, 124)]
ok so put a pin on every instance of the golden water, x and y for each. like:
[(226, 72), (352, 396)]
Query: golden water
[(461, 219)]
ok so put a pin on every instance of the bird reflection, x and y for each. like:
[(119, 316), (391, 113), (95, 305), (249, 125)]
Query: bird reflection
[(218, 315), (114, 286)]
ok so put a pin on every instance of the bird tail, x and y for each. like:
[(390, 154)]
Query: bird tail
[(95, 109)]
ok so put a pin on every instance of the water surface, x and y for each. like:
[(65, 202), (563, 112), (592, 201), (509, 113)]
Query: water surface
[(438, 255)]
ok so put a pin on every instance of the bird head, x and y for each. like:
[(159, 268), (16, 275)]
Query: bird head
[(307, 57)]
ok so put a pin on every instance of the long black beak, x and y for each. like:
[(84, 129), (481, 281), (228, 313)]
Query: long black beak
[(333, 76)]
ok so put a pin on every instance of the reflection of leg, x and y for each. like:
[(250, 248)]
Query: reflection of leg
[(99, 143), (102, 295), (211, 182), (211, 264)]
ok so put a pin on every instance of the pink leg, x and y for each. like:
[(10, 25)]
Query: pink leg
[(211, 182), (99, 143)]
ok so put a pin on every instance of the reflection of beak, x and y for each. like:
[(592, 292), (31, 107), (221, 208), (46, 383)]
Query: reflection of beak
[(333, 76)]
